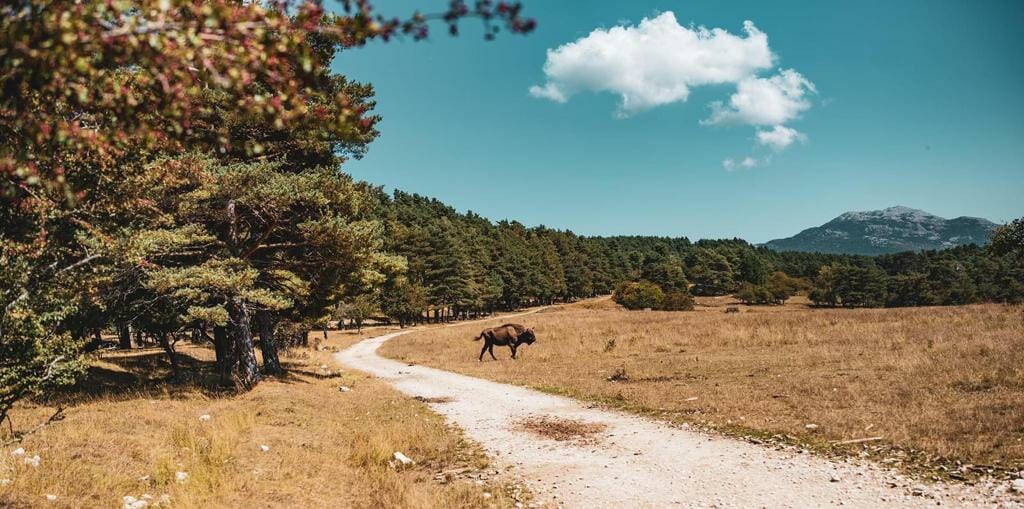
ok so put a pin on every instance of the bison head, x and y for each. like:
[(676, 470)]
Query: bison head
[(528, 337)]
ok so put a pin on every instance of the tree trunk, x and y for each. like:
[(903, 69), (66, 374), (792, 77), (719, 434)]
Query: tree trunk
[(222, 347), (246, 369), (124, 337), (271, 363), (168, 347)]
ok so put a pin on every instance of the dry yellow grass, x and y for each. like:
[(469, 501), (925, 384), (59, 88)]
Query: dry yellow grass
[(937, 384), (130, 437)]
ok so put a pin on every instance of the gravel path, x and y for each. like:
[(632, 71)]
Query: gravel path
[(638, 462)]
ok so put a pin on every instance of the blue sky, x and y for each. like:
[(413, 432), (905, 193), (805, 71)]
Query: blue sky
[(915, 103)]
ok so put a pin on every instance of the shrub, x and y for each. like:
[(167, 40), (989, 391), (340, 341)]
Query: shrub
[(678, 301), (639, 295)]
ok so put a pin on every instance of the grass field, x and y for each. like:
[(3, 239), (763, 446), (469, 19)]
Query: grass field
[(928, 386), (131, 433)]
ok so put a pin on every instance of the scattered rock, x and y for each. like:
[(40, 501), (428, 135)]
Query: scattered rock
[(130, 502), (33, 461), (18, 452), (264, 448), (5, 482), (51, 498), (344, 389), (487, 495), (181, 476), (919, 490), (403, 459), (204, 417), (834, 478), (1017, 485), (811, 427)]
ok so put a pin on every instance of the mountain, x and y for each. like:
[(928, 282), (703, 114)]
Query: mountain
[(890, 230)]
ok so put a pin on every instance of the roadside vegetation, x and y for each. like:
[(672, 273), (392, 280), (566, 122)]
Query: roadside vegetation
[(295, 441), (937, 389)]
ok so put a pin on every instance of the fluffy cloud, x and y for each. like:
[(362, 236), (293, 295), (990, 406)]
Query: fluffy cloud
[(780, 137), (654, 63), (765, 101), (659, 61)]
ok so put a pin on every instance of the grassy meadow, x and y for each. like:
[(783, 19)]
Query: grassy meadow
[(130, 436), (916, 388)]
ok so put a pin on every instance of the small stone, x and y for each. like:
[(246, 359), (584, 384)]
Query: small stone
[(344, 389), (1017, 485), (181, 476), (487, 495), (403, 459), (51, 498), (204, 417), (33, 461), (919, 490), (811, 426), (5, 482), (834, 478), (264, 448), (18, 452)]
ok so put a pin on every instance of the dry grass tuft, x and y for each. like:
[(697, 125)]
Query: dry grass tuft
[(563, 430), (128, 433), (938, 384)]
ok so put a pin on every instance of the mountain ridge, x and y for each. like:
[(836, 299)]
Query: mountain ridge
[(890, 230)]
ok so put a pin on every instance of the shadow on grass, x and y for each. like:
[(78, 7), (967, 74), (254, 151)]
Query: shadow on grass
[(146, 374)]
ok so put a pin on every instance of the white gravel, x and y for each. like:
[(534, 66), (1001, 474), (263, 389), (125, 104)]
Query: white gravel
[(638, 462)]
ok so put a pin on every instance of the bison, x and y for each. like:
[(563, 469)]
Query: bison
[(511, 335)]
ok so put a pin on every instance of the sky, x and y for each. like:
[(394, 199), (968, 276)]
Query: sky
[(705, 119)]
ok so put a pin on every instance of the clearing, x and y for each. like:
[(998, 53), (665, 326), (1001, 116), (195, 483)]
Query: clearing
[(929, 387)]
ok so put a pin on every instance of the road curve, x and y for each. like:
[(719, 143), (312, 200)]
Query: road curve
[(638, 462)]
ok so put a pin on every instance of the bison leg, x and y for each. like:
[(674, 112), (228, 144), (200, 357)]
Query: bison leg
[(484, 349), (490, 350), (513, 347)]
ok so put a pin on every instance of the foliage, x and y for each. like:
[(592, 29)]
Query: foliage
[(95, 93), (678, 301), (639, 295), (1009, 239), (712, 274)]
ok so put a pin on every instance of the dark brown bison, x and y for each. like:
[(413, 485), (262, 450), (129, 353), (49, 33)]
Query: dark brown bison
[(511, 335)]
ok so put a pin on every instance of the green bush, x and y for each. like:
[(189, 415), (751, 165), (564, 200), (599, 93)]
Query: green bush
[(678, 301), (639, 295)]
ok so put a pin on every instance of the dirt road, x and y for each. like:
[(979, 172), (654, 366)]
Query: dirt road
[(637, 462)]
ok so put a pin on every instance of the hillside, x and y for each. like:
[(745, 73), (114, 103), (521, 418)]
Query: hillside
[(890, 230)]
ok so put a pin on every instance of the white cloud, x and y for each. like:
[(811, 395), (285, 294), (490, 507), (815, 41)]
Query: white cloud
[(745, 163), (653, 63), (658, 62), (780, 137), (765, 101)]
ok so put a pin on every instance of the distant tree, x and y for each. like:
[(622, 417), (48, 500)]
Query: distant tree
[(403, 301), (667, 273), (909, 290), (859, 286), (678, 301), (639, 295), (1009, 239), (712, 274), (950, 283), (752, 269), (358, 309)]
